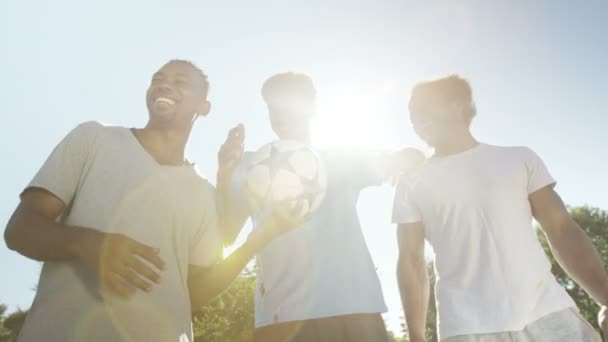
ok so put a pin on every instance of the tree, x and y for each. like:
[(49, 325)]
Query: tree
[(594, 222), (393, 338), (4, 333), (10, 325), (431, 315), (230, 317)]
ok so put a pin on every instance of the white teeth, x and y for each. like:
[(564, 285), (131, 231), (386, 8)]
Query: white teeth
[(165, 100)]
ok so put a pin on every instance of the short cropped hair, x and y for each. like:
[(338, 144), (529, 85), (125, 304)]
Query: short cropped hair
[(289, 84), (198, 70), (444, 91)]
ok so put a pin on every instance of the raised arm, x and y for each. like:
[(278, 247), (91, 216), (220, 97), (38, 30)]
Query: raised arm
[(207, 283), (230, 211)]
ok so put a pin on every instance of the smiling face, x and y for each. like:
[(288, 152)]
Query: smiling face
[(177, 95)]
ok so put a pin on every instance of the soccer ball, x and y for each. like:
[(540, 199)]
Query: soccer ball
[(288, 177)]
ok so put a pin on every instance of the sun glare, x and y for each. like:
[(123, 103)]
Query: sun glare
[(348, 120)]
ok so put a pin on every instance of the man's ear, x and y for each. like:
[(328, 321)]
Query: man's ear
[(204, 108), (459, 110)]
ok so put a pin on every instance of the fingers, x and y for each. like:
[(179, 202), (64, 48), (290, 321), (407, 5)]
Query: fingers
[(147, 253), (232, 149), (134, 280), (144, 270), (114, 283), (230, 154), (125, 277), (236, 135)]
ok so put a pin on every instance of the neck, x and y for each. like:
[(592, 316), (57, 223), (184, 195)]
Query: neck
[(305, 138), (302, 135), (456, 145), (167, 144)]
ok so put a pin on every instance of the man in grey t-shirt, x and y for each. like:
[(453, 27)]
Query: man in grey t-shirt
[(126, 228)]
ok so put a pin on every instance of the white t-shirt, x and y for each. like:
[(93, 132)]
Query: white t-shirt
[(110, 183), (323, 268), (492, 273)]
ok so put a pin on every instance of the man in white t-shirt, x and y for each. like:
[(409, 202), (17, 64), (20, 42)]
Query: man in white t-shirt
[(126, 227), (317, 282), (474, 203)]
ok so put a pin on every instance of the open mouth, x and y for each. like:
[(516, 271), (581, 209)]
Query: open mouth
[(164, 100)]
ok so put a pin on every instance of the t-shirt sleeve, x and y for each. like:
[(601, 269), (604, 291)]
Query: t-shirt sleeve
[(404, 208), (62, 172), (366, 168), (206, 247), (538, 174)]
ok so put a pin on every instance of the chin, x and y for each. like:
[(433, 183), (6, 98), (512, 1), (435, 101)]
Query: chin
[(162, 120), (162, 116)]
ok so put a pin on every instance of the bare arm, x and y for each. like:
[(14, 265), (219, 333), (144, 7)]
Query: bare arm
[(206, 283), (34, 232), (570, 245), (413, 278), (231, 217)]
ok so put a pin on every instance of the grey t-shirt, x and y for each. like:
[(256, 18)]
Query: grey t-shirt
[(110, 183)]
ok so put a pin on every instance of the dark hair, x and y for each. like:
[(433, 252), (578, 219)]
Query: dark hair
[(200, 72), (444, 91), (289, 83)]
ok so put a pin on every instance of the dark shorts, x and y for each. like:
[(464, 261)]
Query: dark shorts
[(347, 328)]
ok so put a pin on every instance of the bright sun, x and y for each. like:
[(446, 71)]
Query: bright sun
[(348, 120)]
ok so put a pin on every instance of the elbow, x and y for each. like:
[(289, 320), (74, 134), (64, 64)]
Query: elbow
[(11, 236), (410, 266), (14, 236), (560, 227)]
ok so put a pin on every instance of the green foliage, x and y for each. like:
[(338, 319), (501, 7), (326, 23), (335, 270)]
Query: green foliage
[(594, 222), (431, 316), (230, 317), (10, 325), (393, 338)]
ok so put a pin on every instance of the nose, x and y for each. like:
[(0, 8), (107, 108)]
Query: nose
[(162, 89)]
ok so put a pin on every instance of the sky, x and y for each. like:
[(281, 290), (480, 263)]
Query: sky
[(538, 72)]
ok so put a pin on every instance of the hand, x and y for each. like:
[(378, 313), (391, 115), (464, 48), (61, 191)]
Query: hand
[(417, 337), (231, 152), (404, 161), (602, 321), (119, 262), (281, 220)]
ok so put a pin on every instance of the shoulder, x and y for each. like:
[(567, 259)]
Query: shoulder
[(93, 130), (517, 152), (201, 184), (86, 129)]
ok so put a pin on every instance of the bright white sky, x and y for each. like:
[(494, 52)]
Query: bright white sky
[(538, 70)]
